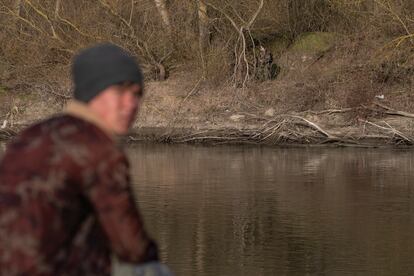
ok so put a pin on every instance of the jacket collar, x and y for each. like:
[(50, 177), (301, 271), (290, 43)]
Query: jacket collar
[(81, 110)]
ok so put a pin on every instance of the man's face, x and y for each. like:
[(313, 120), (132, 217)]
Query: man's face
[(117, 106)]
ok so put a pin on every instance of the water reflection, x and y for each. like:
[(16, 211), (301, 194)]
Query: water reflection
[(265, 211)]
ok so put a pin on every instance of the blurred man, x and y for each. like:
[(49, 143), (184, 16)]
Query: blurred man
[(65, 199)]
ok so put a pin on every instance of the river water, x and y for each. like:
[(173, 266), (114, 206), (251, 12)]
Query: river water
[(273, 211)]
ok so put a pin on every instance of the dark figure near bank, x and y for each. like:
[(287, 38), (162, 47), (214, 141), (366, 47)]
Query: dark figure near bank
[(264, 64), (66, 203)]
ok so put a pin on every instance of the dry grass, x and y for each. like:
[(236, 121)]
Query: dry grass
[(373, 54)]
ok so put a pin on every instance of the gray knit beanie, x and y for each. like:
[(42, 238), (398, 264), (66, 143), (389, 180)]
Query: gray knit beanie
[(100, 66)]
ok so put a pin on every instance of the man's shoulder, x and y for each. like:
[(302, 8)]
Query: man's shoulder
[(66, 127), (64, 132), (64, 135)]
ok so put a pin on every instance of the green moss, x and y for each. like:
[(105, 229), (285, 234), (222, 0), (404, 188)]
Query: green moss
[(26, 96), (314, 43), (2, 90), (278, 46)]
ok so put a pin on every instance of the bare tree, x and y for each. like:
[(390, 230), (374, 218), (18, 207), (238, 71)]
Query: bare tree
[(17, 7), (203, 23), (57, 8), (242, 69), (203, 33), (162, 9)]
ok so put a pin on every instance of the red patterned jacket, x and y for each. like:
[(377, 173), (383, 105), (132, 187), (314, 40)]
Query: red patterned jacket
[(65, 201)]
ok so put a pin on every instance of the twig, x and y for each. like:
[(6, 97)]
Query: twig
[(273, 131), (315, 126), (240, 49), (208, 138), (331, 111), (192, 91), (399, 133), (131, 12), (44, 15), (6, 133), (391, 111), (28, 22), (395, 15), (392, 130)]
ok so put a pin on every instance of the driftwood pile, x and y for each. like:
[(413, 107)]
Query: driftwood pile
[(295, 129), (285, 129), (6, 133)]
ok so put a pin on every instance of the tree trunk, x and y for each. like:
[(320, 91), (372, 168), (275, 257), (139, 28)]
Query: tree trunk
[(203, 23), (162, 9), (203, 29), (57, 8), (17, 9), (17, 5)]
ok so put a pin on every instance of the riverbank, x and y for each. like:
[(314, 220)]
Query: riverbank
[(276, 73), (327, 92), (283, 130), (181, 110)]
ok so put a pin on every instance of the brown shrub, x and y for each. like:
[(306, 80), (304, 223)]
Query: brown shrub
[(38, 43)]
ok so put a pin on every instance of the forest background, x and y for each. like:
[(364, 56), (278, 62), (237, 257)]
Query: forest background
[(268, 71)]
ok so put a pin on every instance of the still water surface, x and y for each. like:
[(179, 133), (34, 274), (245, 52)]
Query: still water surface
[(271, 211)]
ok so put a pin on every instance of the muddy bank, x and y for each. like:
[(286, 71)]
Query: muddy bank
[(171, 114), (328, 91), (287, 130), (181, 110)]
